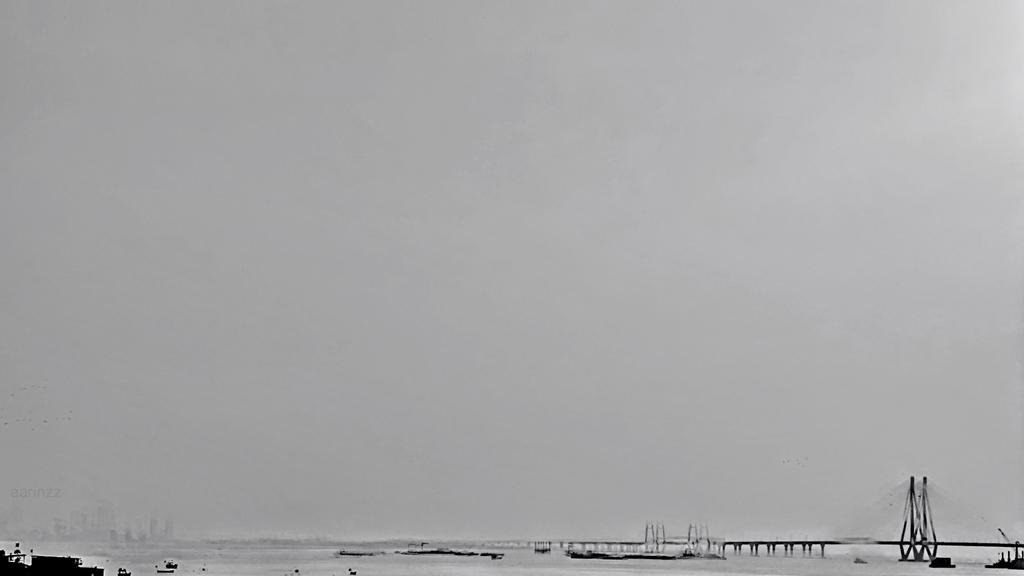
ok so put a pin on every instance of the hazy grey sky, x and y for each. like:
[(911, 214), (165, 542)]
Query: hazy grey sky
[(511, 268)]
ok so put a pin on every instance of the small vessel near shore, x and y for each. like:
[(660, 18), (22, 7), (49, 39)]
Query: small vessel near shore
[(358, 553), (941, 562), (169, 567)]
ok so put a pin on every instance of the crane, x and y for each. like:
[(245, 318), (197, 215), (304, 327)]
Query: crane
[(1005, 537), (1016, 545)]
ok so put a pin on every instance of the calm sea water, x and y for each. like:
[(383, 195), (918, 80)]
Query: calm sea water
[(251, 560)]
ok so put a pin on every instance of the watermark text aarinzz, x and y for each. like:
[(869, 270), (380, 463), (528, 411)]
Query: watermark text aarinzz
[(35, 492)]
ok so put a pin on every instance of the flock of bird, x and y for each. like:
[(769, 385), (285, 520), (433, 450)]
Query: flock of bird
[(27, 406), (801, 461)]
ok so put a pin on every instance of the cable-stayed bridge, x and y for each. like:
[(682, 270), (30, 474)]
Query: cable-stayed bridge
[(918, 540)]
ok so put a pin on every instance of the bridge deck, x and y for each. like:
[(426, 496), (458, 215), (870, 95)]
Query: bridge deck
[(862, 541)]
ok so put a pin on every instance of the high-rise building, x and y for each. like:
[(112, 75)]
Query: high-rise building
[(105, 520), (78, 527)]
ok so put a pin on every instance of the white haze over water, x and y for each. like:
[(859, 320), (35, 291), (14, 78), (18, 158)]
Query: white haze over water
[(510, 269)]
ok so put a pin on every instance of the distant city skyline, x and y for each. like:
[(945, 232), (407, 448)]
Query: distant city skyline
[(101, 523)]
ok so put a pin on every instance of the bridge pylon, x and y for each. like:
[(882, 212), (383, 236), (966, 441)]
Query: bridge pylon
[(919, 543)]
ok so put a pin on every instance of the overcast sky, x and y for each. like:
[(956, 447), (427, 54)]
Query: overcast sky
[(518, 269)]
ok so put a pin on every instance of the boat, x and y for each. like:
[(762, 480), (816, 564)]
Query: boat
[(651, 556), (859, 561), (123, 572), (436, 552), (1008, 563), (18, 563), (169, 567), (594, 555), (654, 547), (941, 562), (341, 553), (449, 552)]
